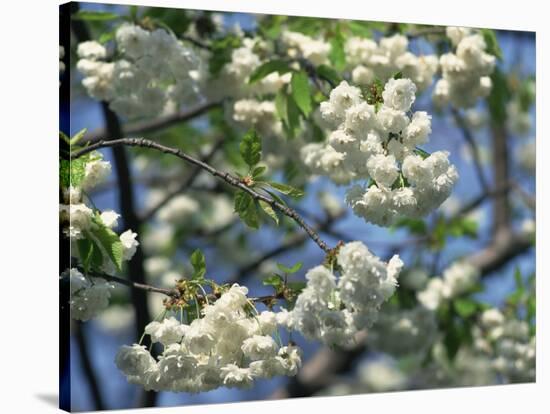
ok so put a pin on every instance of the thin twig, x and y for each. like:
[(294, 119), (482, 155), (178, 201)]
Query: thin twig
[(467, 134), (227, 177)]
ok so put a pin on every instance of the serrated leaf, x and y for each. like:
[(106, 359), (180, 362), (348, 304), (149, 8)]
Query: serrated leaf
[(337, 54), (293, 116), (198, 261), (246, 208), (105, 37), (289, 270), (258, 171), (274, 280), (85, 250), (269, 211), (94, 16), (286, 189), (465, 307), (276, 197), (328, 74), (267, 68), (110, 242), (78, 136), (422, 153), (251, 148), (301, 91), (491, 43)]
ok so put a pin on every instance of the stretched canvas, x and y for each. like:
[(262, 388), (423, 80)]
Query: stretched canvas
[(258, 207)]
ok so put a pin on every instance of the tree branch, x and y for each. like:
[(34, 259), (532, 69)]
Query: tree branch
[(87, 367), (225, 176), (467, 134)]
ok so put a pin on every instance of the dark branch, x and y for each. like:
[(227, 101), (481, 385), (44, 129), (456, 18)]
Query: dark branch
[(467, 134), (225, 176)]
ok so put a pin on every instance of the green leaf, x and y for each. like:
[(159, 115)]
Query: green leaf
[(64, 137), (251, 148), (286, 189), (94, 16), (415, 226), (337, 54), (246, 208), (258, 171), (293, 116), (78, 136), (491, 42), (518, 279), (280, 106), (276, 197), (398, 75), (222, 49), (289, 270), (105, 37), (269, 211), (330, 75), (465, 307), (422, 153), (274, 280), (110, 242), (198, 261), (498, 99), (267, 68), (301, 91), (85, 251), (242, 200)]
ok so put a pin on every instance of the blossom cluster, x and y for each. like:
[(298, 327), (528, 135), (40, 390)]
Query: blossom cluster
[(404, 332), (457, 279), (466, 71), (299, 45), (232, 81), (333, 309), (89, 296), (153, 70), (372, 60), (381, 146), (226, 346), (508, 343), (82, 223)]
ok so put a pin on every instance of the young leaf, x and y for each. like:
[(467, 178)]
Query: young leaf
[(301, 91), (286, 189), (296, 287), (492, 43), (77, 137), (465, 307), (246, 208), (258, 171), (337, 54), (267, 68), (110, 242), (198, 261), (330, 75), (289, 270), (276, 197), (269, 211), (251, 148), (274, 280)]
